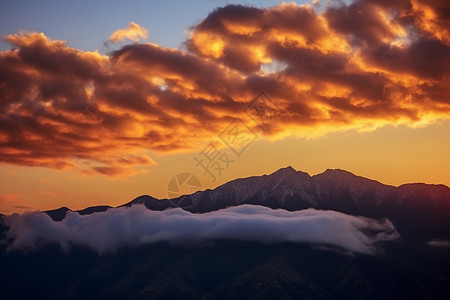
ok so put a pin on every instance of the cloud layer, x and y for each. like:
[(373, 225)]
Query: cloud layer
[(348, 66), (119, 227)]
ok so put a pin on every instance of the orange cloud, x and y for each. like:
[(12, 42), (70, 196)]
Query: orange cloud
[(12, 202), (430, 17), (358, 66), (133, 32), (11, 197)]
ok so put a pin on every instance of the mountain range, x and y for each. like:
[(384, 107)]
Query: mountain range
[(418, 209), (417, 266)]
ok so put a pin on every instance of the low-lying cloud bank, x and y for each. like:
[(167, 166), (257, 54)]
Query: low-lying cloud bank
[(119, 227), (439, 243)]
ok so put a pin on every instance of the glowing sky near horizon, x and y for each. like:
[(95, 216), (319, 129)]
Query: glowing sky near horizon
[(103, 102)]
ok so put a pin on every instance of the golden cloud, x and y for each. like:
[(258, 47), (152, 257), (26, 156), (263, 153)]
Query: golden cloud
[(133, 32), (358, 66)]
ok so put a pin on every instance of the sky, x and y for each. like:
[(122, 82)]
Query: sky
[(103, 101)]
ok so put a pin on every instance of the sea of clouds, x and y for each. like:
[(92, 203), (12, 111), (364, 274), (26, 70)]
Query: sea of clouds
[(106, 232)]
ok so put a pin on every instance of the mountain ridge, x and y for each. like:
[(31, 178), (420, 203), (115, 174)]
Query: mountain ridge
[(294, 189), (291, 189), (419, 210)]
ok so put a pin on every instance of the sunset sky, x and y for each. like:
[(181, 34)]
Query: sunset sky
[(104, 101)]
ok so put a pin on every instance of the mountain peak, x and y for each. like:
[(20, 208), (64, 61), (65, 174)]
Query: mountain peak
[(339, 176), (58, 214), (337, 172), (286, 170)]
